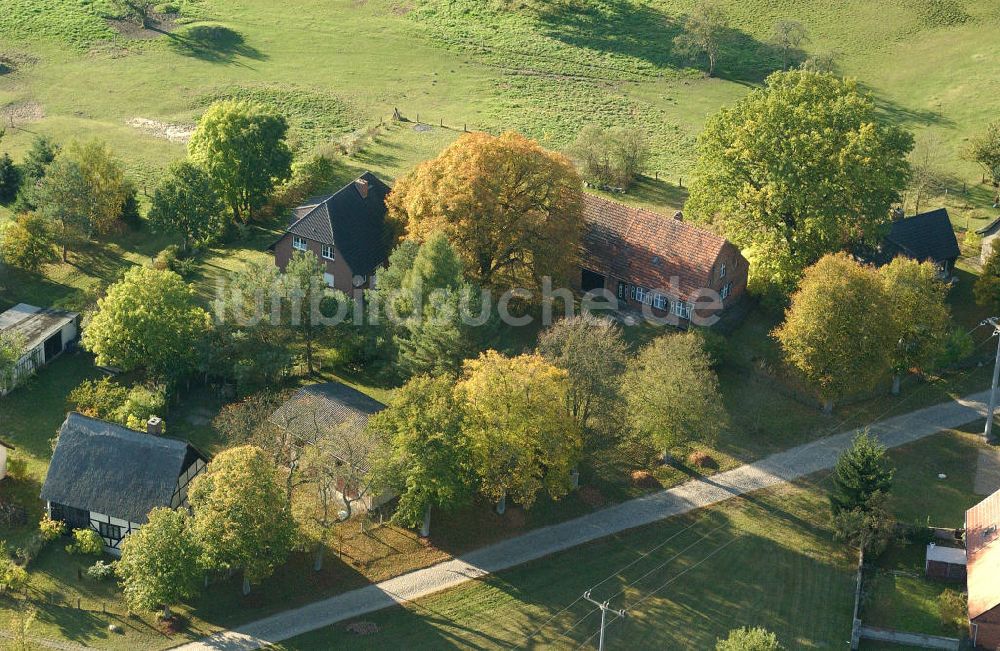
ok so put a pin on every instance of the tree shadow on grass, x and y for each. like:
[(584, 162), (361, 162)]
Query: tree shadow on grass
[(213, 43), (624, 28)]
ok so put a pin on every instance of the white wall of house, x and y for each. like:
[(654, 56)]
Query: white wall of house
[(95, 521)]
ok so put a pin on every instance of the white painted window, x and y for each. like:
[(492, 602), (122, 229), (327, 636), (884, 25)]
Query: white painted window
[(329, 279), (660, 301), (722, 270), (640, 294), (726, 289), (298, 243), (328, 251), (682, 309)]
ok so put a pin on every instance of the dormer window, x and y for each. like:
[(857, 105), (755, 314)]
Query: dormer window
[(328, 251), (298, 243)]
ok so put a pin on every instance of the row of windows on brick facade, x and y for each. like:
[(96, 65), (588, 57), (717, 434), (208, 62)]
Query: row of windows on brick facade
[(659, 301), (299, 244)]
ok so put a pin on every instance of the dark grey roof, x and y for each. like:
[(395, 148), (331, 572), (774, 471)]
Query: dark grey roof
[(355, 224), (927, 236), (335, 409), (34, 324), (104, 467)]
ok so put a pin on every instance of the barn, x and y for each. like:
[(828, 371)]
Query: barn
[(43, 334), (108, 477)]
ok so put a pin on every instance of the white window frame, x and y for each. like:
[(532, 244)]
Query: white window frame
[(640, 294), (726, 289), (722, 270), (328, 279), (327, 248), (660, 302), (681, 309), (299, 243)]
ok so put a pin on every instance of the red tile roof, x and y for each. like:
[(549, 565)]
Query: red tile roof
[(982, 544), (648, 249)]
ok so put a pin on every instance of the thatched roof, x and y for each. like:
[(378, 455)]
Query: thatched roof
[(104, 467)]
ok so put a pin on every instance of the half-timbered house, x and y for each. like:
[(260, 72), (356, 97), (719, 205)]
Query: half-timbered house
[(108, 477)]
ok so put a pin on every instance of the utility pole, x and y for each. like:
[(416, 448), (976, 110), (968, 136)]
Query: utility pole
[(992, 321), (603, 605)]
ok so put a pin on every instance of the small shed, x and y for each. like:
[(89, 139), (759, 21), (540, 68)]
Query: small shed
[(944, 562), (44, 333), (989, 234), (927, 237)]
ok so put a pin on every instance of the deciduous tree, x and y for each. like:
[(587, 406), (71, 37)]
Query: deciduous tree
[(242, 148), (705, 30), (424, 455), (757, 638), (512, 210), (521, 432), (148, 319), (307, 299), (788, 36), (594, 355), (672, 393), (11, 348), (159, 564), (799, 168), (26, 242), (185, 203), (241, 517), (920, 315), (839, 331), (984, 150), (987, 285)]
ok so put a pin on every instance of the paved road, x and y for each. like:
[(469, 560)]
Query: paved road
[(697, 493)]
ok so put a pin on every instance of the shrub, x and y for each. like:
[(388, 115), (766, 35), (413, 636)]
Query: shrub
[(971, 243), (101, 571), (87, 542), (98, 398), (953, 610), (50, 529), (701, 459), (26, 242), (10, 179), (17, 467), (12, 576), (141, 402), (749, 639), (29, 552), (167, 258)]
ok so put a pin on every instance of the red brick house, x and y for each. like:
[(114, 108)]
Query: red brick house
[(982, 551), (347, 231), (669, 265)]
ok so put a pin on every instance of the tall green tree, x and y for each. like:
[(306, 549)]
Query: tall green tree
[(839, 331), (801, 167), (10, 178), (159, 564), (521, 432), (26, 242), (705, 32), (672, 393), (241, 515), (424, 455), (306, 298), (185, 203), (757, 638), (593, 353), (917, 303), (149, 319), (63, 194), (41, 153), (987, 286), (861, 471), (788, 36), (242, 147), (108, 187)]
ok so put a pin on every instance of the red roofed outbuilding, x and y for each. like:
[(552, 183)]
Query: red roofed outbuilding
[(643, 257), (982, 549)]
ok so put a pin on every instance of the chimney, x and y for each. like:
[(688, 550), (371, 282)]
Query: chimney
[(679, 216), (362, 186), (154, 426)]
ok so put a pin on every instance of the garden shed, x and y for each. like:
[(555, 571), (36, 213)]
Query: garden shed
[(945, 562), (43, 334)]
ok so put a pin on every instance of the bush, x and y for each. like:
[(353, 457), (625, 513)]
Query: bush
[(10, 179), (972, 242), (13, 577), (953, 610), (17, 467), (30, 550), (101, 571), (701, 459), (167, 258), (26, 242), (87, 542), (98, 398), (749, 639), (141, 403), (50, 529)]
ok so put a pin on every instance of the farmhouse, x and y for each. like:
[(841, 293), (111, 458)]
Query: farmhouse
[(43, 333), (346, 230), (109, 477), (989, 234), (642, 257), (982, 547), (927, 237), (340, 415)]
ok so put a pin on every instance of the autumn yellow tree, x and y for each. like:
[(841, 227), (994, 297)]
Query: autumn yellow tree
[(521, 433), (512, 210), (839, 331)]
